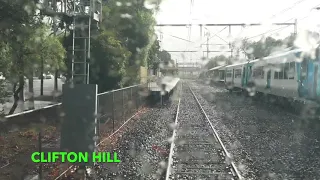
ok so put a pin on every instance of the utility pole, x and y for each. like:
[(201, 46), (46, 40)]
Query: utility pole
[(227, 25), (230, 45), (295, 27), (207, 34), (55, 30)]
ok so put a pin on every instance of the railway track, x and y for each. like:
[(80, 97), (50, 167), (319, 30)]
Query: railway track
[(196, 150)]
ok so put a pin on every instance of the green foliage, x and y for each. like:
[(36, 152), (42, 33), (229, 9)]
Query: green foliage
[(218, 61), (24, 43), (289, 41), (202, 75), (5, 58), (109, 61), (125, 41), (16, 16), (164, 57), (133, 24), (263, 48), (153, 59), (30, 49)]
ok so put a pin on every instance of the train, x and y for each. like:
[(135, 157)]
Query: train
[(161, 87), (292, 73)]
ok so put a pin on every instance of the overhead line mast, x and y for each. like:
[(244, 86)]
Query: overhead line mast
[(226, 25)]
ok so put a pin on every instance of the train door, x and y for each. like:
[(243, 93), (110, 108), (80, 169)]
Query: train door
[(268, 79), (225, 75), (249, 73), (302, 78), (315, 81), (232, 76), (243, 79)]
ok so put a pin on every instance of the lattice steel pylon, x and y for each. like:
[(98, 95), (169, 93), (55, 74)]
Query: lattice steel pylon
[(86, 15)]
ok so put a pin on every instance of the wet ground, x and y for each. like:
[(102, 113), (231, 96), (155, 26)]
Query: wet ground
[(267, 142), (143, 148)]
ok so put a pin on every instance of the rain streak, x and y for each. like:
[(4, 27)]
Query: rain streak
[(163, 89)]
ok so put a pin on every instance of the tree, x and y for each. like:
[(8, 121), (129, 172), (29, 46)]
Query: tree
[(289, 41), (5, 63), (263, 48), (32, 47), (127, 28), (109, 61), (21, 31), (218, 61), (153, 55), (164, 57)]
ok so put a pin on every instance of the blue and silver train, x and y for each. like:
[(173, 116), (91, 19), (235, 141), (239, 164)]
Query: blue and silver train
[(291, 74)]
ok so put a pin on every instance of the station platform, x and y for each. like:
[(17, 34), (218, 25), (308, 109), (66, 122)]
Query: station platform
[(156, 90), (170, 84)]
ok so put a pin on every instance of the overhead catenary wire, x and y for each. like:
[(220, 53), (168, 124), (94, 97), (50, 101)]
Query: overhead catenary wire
[(278, 29), (183, 39), (282, 28), (267, 32), (287, 9)]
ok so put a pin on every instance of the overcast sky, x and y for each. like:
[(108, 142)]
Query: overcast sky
[(229, 11)]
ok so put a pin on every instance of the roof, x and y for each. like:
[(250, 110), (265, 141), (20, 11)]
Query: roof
[(274, 57), (217, 67)]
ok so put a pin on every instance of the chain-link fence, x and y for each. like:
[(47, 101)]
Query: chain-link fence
[(115, 106)]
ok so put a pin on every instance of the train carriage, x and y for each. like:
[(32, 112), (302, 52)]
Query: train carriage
[(289, 74), (236, 76), (279, 75), (217, 74)]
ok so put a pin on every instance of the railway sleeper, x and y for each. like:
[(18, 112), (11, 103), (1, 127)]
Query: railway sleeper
[(193, 125), (188, 131), (198, 156), (205, 171), (186, 175), (199, 146), (216, 160), (194, 136)]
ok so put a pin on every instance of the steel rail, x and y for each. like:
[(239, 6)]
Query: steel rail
[(234, 168), (170, 159)]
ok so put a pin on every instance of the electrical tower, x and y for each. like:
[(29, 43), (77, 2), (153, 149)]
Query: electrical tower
[(85, 19), (81, 17), (80, 123), (229, 25)]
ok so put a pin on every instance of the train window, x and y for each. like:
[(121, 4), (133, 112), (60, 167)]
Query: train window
[(276, 75), (258, 73), (229, 74), (255, 73), (286, 70), (292, 70), (281, 74), (292, 65), (304, 66), (237, 73)]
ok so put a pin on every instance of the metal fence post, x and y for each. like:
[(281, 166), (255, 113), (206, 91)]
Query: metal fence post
[(131, 99), (98, 119), (123, 118), (139, 94), (113, 111), (40, 150), (136, 99)]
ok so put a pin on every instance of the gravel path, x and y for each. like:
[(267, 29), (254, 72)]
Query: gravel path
[(266, 141), (143, 150)]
